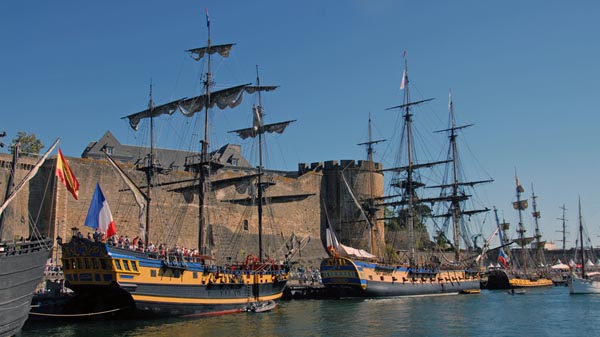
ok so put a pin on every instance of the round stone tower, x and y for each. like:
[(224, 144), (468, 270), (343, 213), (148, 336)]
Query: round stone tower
[(349, 193)]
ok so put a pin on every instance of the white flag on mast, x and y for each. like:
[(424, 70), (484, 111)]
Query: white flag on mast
[(403, 83)]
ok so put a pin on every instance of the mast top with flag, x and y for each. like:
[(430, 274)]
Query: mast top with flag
[(208, 24)]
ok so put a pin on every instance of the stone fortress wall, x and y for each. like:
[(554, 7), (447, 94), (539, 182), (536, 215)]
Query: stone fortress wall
[(300, 202)]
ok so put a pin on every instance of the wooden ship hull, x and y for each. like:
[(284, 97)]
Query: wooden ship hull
[(106, 278), (500, 279), (345, 277), (21, 270)]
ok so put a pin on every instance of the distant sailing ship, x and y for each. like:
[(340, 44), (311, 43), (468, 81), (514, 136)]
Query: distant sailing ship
[(353, 272), (22, 261), (512, 273), (167, 282), (587, 282)]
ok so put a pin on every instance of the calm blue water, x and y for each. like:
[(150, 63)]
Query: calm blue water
[(542, 312)]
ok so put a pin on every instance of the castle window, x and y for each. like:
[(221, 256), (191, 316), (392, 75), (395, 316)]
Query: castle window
[(245, 224)]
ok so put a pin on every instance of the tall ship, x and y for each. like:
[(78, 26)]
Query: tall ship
[(170, 280), (587, 281), (371, 271), (522, 271), (22, 260)]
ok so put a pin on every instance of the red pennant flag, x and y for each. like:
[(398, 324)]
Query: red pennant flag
[(64, 173)]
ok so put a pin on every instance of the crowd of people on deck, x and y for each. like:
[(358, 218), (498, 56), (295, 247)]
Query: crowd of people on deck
[(137, 244)]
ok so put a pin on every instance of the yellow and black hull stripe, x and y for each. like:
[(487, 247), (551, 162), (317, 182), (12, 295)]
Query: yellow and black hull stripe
[(153, 285)]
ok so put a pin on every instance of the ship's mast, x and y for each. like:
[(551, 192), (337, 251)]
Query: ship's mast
[(204, 170), (202, 164), (564, 232), (149, 169), (455, 201), (503, 228), (259, 113), (538, 235), (149, 173), (455, 211), (370, 207), (409, 172), (409, 186), (582, 253), (10, 184), (257, 130), (521, 205)]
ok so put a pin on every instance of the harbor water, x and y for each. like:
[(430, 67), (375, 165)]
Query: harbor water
[(549, 311)]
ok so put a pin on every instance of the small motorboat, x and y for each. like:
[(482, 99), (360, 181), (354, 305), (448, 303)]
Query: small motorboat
[(516, 292), (262, 306)]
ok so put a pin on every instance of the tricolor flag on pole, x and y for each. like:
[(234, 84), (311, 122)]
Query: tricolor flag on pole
[(502, 258), (64, 173), (99, 216)]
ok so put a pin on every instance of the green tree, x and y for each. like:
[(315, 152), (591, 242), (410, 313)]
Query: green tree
[(391, 220), (30, 145)]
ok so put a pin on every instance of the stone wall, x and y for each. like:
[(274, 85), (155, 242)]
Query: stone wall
[(345, 216), (300, 204), (293, 213)]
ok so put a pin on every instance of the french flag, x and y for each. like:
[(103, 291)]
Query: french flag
[(99, 216), (502, 258)]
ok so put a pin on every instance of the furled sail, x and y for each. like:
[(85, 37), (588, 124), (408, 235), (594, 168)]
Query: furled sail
[(335, 247), (167, 108), (226, 98), (140, 197), (254, 88), (520, 205), (258, 128), (257, 121), (222, 49), (230, 97)]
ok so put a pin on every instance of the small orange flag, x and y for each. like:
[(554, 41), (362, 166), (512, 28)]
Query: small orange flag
[(63, 171)]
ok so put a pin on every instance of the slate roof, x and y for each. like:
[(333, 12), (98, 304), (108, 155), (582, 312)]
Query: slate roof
[(228, 155)]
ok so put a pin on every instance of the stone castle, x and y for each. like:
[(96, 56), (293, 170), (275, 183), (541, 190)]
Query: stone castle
[(302, 203)]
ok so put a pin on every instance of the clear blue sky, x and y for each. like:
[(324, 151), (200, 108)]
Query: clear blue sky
[(524, 72)]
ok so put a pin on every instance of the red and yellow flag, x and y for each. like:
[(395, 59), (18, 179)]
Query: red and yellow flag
[(63, 171)]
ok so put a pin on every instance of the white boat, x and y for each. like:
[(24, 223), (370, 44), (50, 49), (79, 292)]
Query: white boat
[(586, 283), (262, 306)]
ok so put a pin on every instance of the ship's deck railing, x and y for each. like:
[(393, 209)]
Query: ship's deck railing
[(23, 246)]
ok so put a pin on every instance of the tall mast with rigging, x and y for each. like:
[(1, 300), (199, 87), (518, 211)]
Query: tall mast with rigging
[(564, 231), (370, 206), (521, 205), (456, 197), (582, 253), (202, 164), (408, 185), (256, 131), (539, 244)]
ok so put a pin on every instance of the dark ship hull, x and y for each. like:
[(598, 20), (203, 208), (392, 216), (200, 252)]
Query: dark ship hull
[(21, 270), (500, 279), (116, 281), (496, 279)]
